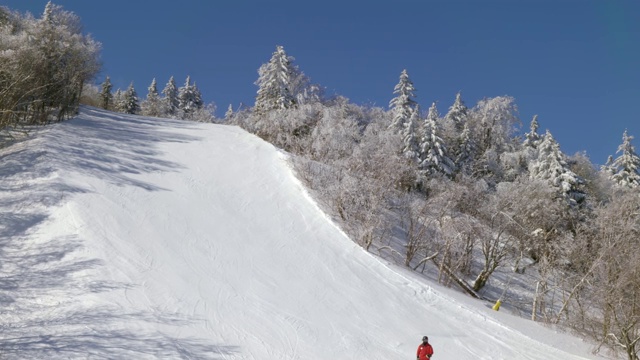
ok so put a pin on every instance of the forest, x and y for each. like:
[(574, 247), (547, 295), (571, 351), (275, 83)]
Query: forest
[(458, 194)]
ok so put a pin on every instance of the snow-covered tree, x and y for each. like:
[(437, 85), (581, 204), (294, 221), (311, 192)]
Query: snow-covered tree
[(411, 136), (118, 101), (433, 152), (44, 64), (624, 169), (336, 133), (204, 113), (106, 97), (70, 58), (457, 115), (153, 104), (403, 105), (456, 132), (551, 166), (493, 123), (608, 166), (532, 138), (307, 93), (229, 114), (466, 149), (275, 83), (170, 99), (130, 103), (189, 99)]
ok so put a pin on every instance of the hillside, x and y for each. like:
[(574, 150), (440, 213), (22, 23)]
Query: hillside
[(132, 237)]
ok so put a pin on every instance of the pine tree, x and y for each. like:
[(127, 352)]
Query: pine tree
[(466, 148), (434, 156), (130, 101), (229, 114), (275, 83), (198, 103), (152, 105), (608, 166), (189, 99), (625, 168), (106, 97), (455, 121), (119, 104), (184, 95), (457, 115), (532, 138), (170, 93), (47, 15), (411, 137), (403, 105), (552, 167)]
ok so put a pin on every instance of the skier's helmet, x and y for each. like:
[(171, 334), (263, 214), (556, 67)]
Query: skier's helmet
[(425, 338)]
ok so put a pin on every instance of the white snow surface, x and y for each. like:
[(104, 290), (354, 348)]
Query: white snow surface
[(125, 237)]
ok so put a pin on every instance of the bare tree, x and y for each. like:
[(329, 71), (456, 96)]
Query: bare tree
[(604, 302)]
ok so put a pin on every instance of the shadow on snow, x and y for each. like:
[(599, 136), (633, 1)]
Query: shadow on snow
[(41, 279)]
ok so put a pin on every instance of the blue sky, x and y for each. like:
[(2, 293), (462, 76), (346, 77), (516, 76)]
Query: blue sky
[(575, 63)]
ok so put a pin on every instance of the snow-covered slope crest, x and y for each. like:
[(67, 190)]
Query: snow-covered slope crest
[(125, 237)]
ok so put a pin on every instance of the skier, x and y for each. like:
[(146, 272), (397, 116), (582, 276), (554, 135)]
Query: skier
[(425, 351)]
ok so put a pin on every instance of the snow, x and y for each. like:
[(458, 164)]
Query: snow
[(125, 237)]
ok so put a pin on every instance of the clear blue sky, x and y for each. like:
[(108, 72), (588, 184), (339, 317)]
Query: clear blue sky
[(575, 63)]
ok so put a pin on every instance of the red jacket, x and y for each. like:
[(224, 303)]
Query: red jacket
[(424, 351)]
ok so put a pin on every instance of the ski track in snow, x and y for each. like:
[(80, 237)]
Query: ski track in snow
[(126, 237)]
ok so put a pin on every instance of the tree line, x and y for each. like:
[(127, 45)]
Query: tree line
[(466, 194), (459, 193), (183, 102)]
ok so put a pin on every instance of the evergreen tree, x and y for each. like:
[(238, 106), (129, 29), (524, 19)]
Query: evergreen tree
[(152, 105), (119, 101), (153, 90), (170, 93), (275, 83), (411, 137), (189, 99), (185, 96), (106, 97), (434, 156), (552, 167), (608, 166), (466, 148), (457, 115), (403, 105), (455, 121), (198, 103), (229, 114), (624, 169), (130, 101), (47, 15), (532, 138)]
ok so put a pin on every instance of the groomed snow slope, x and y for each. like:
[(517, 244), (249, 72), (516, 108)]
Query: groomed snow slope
[(125, 237)]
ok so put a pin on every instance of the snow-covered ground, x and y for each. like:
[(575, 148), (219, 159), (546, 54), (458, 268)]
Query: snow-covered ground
[(124, 237)]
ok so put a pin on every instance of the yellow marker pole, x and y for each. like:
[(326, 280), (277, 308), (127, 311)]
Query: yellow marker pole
[(496, 307)]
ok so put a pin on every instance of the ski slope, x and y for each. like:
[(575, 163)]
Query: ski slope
[(124, 237)]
